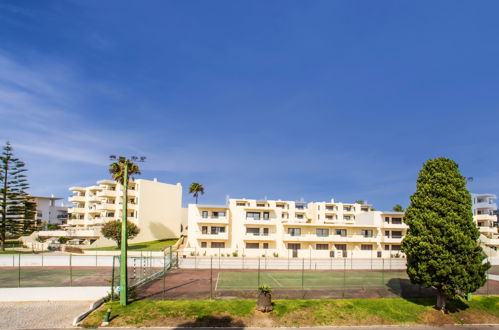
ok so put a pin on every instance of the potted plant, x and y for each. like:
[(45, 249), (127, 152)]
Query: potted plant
[(264, 303)]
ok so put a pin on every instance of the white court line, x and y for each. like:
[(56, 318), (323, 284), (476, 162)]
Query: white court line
[(216, 283), (272, 277)]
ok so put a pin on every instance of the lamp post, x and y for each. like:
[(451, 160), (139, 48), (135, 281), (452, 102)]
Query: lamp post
[(124, 216)]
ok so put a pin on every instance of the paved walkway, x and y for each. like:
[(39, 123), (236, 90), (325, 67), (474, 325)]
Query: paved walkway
[(40, 315)]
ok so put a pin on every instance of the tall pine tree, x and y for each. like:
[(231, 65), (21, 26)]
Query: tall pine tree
[(442, 241), (16, 212)]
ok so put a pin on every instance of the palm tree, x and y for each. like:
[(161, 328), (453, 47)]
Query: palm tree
[(117, 169), (195, 189)]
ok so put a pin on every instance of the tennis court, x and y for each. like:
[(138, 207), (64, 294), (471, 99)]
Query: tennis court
[(54, 276), (308, 280)]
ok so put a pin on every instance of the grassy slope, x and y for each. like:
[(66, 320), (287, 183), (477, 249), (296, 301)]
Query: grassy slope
[(159, 245), (296, 313)]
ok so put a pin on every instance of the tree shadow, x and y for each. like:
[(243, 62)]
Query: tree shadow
[(455, 305), (214, 321), (414, 293)]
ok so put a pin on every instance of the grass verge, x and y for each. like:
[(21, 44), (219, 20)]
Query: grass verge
[(322, 312), (158, 245)]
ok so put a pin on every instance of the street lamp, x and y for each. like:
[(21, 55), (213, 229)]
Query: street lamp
[(124, 237)]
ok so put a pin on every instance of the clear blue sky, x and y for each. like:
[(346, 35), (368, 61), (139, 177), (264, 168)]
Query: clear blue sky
[(277, 99)]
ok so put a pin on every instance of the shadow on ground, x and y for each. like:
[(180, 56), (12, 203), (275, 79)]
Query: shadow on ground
[(214, 321)]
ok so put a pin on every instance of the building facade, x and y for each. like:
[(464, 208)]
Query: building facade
[(294, 229), (155, 207), (485, 215), (48, 212)]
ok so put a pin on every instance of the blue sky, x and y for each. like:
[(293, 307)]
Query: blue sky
[(278, 99)]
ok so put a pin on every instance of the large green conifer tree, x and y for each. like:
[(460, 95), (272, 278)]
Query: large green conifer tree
[(16, 212), (442, 241)]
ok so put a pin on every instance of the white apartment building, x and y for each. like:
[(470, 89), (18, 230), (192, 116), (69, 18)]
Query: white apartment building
[(155, 207), (484, 214), (47, 210), (256, 228)]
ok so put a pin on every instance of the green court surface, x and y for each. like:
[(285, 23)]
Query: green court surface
[(39, 276), (309, 280)]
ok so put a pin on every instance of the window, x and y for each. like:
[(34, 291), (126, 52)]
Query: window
[(396, 248), (397, 221), (329, 217), (260, 204), (217, 230), (387, 219), (252, 245), (347, 208), (330, 208), (294, 231), (253, 215), (387, 247), (265, 232), (241, 204), (341, 232), (396, 234), (321, 246), (253, 231), (204, 214), (367, 233), (204, 230), (366, 247), (218, 214), (280, 205), (341, 247), (266, 215), (204, 245), (387, 233), (364, 209), (346, 217), (265, 245), (217, 245), (322, 232), (299, 216), (300, 206), (294, 246)]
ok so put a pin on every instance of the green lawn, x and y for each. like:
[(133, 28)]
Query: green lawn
[(323, 312), (15, 252), (158, 245), (311, 280)]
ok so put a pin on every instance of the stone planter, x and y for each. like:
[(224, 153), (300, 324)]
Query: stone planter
[(264, 303)]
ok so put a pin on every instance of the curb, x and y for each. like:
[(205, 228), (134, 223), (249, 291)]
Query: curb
[(93, 306)]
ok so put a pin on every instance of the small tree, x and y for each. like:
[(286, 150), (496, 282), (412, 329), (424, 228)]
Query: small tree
[(112, 230), (195, 189), (16, 213), (398, 208), (442, 241)]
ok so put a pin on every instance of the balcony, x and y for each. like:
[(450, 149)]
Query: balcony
[(107, 193), (106, 206), (485, 217), (259, 237), (208, 236), (395, 226), (216, 220), (76, 210), (486, 229), (76, 222), (397, 239), (251, 221), (486, 205), (77, 199)]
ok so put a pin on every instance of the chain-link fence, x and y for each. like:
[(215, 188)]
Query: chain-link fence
[(218, 277)]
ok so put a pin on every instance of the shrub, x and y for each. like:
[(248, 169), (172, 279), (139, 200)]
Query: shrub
[(264, 288)]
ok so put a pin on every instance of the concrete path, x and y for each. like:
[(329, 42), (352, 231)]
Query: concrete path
[(73, 293), (40, 315)]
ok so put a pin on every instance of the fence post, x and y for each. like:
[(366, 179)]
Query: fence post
[(211, 277), (171, 257), (344, 275), (258, 276), (164, 276), (42, 258), (195, 258), (95, 258), (19, 269), (70, 270), (112, 281), (382, 273), (310, 258), (302, 278)]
